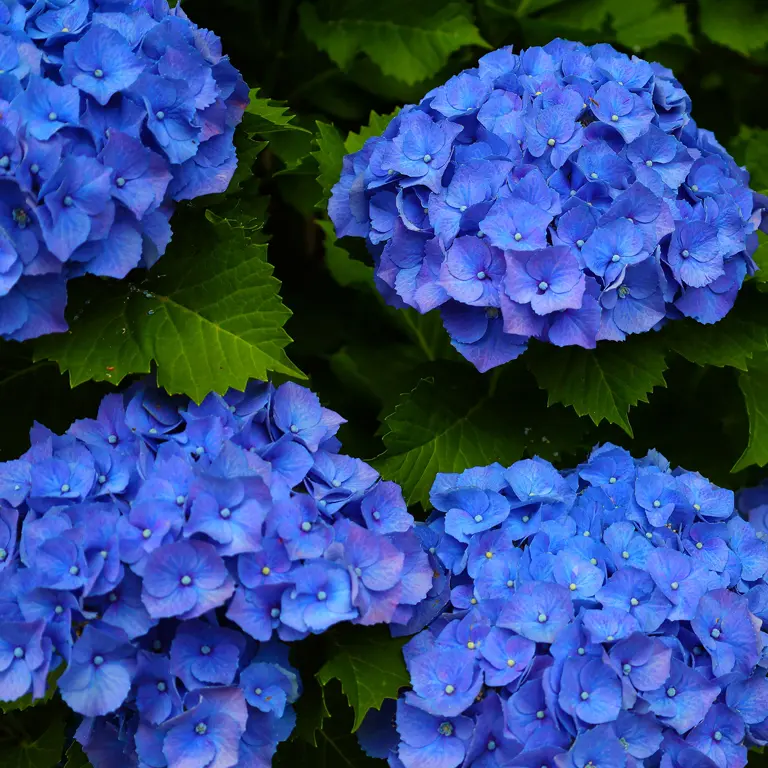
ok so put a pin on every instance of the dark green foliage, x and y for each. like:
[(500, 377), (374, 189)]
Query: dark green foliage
[(326, 76)]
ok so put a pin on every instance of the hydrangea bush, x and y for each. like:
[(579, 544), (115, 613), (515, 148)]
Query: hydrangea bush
[(111, 111), (159, 554), (561, 193), (608, 615)]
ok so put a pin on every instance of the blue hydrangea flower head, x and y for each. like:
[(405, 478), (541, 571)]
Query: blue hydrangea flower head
[(607, 615), (562, 193), (112, 113), (160, 555)]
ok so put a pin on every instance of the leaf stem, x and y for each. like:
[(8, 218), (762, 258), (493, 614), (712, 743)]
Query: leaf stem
[(425, 348)]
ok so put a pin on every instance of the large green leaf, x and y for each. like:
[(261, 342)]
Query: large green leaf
[(602, 383), (329, 155), (730, 343), (375, 126), (637, 24), (754, 385), (370, 667), (209, 314), (458, 418), (407, 40), (42, 752), (738, 24), (643, 23), (76, 757), (750, 148), (336, 747), (311, 712), (345, 270), (761, 258), (267, 116)]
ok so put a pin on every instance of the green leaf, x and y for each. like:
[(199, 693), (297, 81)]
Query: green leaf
[(761, 258), (329, 155), (636, 25), (644, 23), (457, 418), (604, 382), (407, 40), (738, 24), (337, 746), (76, 758), (724, 344), (754, 386), (273, 122), (370, 667), (750, 148), (267, 116), (345, 270), (311, 712), (209, 314), (376, 125), (43, 752)]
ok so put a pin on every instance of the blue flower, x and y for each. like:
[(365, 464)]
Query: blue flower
[(445, 681), (185, 579), (128, 542), (472, 272), (634, 305), (590, 691), (208, 732), (549, 280), (599, 746), (98, 677), (431, 740), (607, 610), (538, 611), (684, 699), (720, 736), (79, 78), (268, 687), (726, 628), (321, 597), (422, 149), (157, 696), (515, 224), (48, 107), (202, 654), (561, 146), (25, 657), (230, 512), (101, 63)]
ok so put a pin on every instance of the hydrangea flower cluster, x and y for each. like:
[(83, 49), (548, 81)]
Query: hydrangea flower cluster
[(605, 616), (563, 193), (110, 111), (159, 553)]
